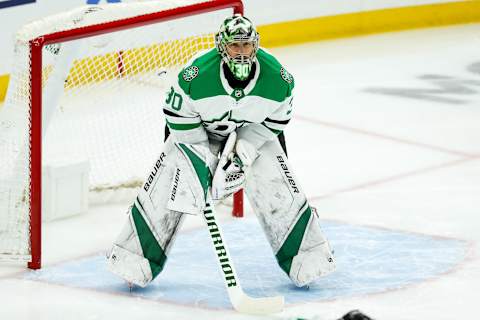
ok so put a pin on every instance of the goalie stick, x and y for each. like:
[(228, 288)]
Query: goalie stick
[(240, 300)]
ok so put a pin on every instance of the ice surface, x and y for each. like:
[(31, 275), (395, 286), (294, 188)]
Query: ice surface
[(386, 135), (369, 260)]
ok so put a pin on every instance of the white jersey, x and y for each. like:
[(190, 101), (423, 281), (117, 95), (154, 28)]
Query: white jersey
[(202, 104)]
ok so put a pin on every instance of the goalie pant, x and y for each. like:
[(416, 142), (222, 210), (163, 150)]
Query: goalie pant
[(178, 184)]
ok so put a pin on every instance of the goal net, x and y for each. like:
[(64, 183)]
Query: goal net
[(89, 84)]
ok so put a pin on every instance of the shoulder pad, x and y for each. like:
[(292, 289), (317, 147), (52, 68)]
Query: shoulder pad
[(286, 75), (272, 66), (190, 73)]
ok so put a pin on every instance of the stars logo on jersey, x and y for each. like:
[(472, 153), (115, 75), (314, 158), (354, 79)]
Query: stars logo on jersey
[(222, 126), (286, 76), (190, 73)]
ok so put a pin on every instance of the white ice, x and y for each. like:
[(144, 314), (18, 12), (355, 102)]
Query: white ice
[(386, 133)]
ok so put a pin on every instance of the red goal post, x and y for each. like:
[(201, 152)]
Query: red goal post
[(36, 74)]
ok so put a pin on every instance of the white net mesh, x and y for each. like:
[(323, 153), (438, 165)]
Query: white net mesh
[(102, 102), (15, 160)]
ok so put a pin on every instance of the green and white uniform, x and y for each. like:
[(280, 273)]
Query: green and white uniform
[(202, 102), (201, 109)]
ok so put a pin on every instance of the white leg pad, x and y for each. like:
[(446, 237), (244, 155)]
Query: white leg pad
[(129, 266), (312, 264)]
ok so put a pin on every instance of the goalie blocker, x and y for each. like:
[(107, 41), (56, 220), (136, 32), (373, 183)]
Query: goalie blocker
[(178, 185)]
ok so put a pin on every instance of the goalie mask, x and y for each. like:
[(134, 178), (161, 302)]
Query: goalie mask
[(237, 43)]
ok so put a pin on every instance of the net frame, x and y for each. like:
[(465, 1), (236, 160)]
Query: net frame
[(35, 134)]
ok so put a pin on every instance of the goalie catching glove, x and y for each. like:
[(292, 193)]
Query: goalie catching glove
[(229, 176)]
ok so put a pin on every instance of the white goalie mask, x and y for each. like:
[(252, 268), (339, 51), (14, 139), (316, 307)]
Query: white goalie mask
[(237, 43)]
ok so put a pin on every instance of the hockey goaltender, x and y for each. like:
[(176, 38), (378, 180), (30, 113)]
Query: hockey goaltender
[(225, 112)]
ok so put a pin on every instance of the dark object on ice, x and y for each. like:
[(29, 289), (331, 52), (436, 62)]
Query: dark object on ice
[(355, 315)]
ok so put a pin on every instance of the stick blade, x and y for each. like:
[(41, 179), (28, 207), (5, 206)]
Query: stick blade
[(259, 306)]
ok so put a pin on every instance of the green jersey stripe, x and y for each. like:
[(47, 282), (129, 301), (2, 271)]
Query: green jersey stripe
[(183, 126)]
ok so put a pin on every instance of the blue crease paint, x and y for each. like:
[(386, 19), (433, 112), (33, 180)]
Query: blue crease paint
[(369, 260)]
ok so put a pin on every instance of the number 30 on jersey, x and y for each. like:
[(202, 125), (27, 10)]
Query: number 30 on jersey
[(174, 99)]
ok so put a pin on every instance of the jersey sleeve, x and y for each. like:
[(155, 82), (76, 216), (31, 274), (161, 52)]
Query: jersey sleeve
[(278, 120), (285, 83), (274, 123), (183, 121)]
